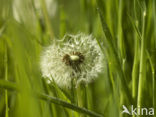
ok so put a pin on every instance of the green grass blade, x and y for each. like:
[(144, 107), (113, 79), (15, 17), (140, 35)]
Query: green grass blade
[(10, 85), (114, 57)]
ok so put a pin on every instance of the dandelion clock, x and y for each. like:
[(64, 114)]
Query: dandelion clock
[(75, 57)]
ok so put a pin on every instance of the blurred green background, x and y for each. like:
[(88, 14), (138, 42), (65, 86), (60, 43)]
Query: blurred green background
[(125, 30)]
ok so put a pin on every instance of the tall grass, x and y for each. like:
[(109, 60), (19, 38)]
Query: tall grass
[(125, 32)]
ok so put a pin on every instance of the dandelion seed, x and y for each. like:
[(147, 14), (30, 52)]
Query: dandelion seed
[(74, 57)]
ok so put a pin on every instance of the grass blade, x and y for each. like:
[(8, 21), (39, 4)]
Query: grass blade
[(114, 57), (10, 85)]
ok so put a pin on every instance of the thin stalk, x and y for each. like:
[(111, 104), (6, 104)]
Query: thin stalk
[(154, 93), (120, 36), (12, 86), (115, 91), (6, 78), (154, 86), (153, 77), (81, 96), (142, 66), (154, 16), (89, 97), (73, 100), (121, 45), (47, 19), (135, 67)]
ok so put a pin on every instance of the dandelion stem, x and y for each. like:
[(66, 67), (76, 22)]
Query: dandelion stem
[(73, 100), (81, 97)]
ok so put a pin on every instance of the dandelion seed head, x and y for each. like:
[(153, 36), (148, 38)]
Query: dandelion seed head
[(75, 57)]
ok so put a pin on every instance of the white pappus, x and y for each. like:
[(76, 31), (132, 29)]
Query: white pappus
[(77, 57)]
